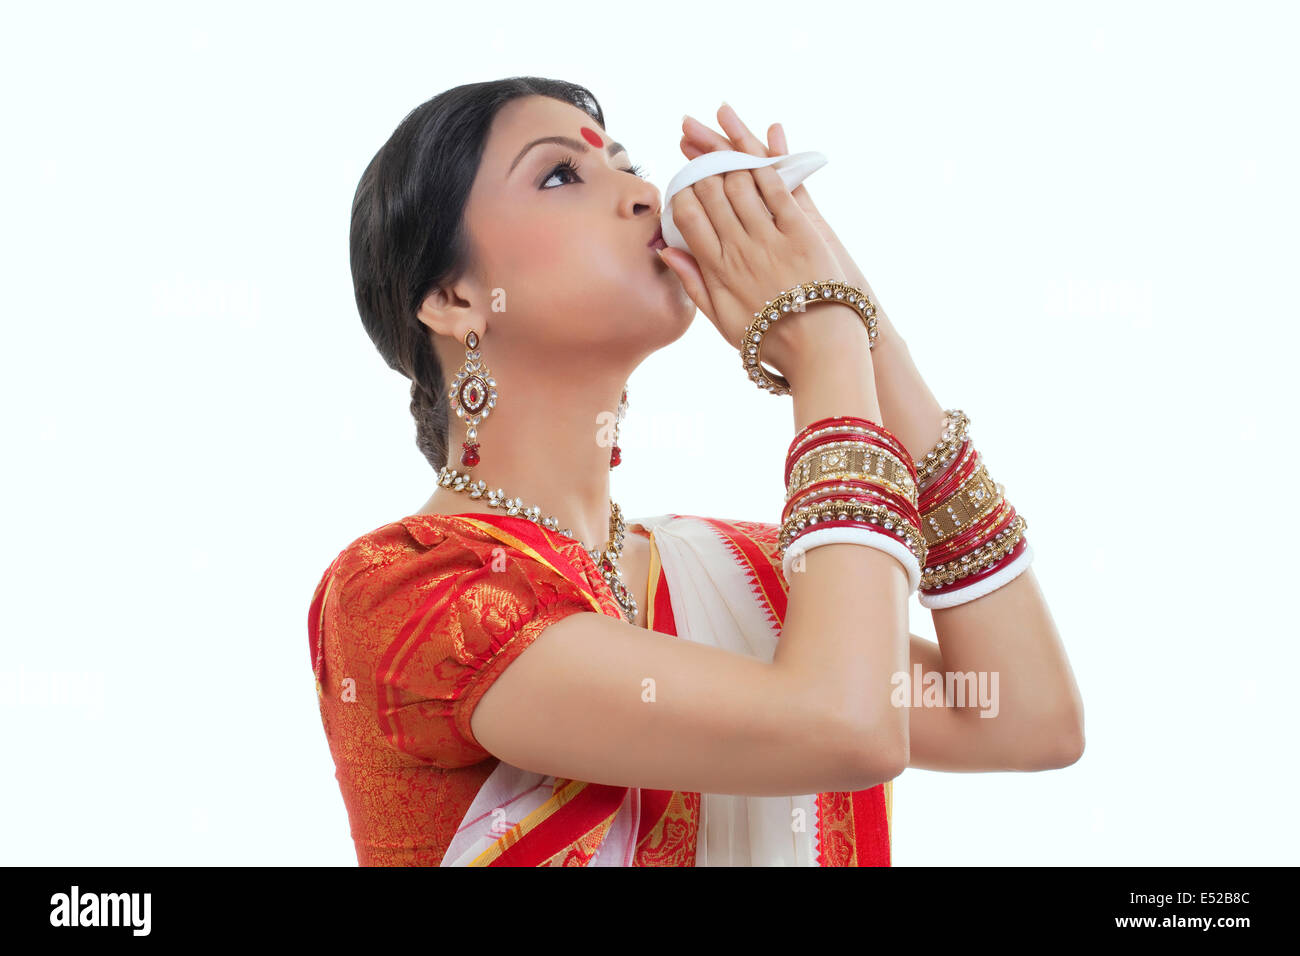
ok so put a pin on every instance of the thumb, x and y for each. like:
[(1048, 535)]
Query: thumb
[(687, 270)]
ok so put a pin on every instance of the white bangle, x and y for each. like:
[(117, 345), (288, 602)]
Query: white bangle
[(981, 587), (872, 539)]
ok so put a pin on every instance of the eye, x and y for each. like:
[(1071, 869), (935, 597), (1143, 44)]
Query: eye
[(569, 168)]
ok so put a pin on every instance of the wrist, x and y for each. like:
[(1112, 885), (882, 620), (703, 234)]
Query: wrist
[(840, 380), (799, 345), (888, 338)]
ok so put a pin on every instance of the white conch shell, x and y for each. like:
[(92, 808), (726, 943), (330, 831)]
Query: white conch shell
[(794, 169)]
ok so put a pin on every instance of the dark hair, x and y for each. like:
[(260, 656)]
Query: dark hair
[(408, 233)]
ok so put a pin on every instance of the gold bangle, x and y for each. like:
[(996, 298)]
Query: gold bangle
[(969, 503), (851, 458), (796, 299), (982, 558), (876, 513), (955, 425)]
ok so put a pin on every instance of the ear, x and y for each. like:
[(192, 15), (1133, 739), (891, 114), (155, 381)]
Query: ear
[(446, 313), (438, 311)]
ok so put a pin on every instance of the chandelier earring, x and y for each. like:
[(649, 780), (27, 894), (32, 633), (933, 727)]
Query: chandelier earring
[(473, 394), (615, 455)]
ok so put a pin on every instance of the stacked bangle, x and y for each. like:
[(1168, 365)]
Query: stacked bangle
[(849, 479), (796, 299), (937, 458), (974, 538)]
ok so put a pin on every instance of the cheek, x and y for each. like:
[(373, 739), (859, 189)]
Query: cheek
[(531, 246), (517, 250), (550, 251)]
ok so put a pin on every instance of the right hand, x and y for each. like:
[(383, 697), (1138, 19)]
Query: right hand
[(745, 255)]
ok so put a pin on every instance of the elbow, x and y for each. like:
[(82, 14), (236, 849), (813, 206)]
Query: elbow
[(882, 751), (1069, 747), (1062, 749)]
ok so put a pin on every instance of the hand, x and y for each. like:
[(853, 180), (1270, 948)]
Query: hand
[(751, 240), (698, 139)]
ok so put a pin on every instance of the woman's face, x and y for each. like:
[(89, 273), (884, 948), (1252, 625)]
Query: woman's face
[(562, 252)]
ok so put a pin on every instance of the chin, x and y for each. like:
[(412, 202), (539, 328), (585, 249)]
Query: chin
[(685, 309), (688, 318)]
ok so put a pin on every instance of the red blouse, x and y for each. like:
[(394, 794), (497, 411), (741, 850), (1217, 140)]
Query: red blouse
[(409, 627)]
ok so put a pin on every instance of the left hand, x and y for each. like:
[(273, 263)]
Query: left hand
[(698, 139)]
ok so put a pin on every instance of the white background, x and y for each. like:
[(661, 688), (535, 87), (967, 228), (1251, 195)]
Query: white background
[(1081, 217)]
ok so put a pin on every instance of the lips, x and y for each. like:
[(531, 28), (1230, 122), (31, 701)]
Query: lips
[(657, 240)]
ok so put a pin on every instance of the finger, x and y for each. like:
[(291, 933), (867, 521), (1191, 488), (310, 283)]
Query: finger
[(703, 140), (752, 214), (687, 270), (726, 224), (745, 141), (787, 216), (777, 146), (703, 137), (741, 189), (780, 147), (693, 223), (805, 202), (690, 149)]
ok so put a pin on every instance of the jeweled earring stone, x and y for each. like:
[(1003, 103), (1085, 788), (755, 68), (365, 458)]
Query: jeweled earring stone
[(474, 395)]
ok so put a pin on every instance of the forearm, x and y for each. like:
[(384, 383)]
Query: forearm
[(1038, 721), (1009, 631), (909, 408), (833, 585)]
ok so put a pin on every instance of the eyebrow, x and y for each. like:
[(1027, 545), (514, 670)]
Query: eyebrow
[(613, 149)]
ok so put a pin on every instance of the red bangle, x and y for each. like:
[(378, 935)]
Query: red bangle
[(853, 421), (979, 575), (850, 523), (962, 469), (856, 487)]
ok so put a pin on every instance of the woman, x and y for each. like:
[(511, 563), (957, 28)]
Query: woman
[(502, 241)]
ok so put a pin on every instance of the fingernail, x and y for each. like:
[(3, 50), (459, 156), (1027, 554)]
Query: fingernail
[(728, 106)]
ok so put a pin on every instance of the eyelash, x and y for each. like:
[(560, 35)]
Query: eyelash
[(572, 167)]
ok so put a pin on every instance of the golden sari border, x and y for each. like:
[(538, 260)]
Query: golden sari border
[(589, 806)]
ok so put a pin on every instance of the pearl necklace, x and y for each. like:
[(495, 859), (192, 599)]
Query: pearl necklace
[(606, 562)]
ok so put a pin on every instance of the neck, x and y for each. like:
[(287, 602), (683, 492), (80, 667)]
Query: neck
[(548, 444)]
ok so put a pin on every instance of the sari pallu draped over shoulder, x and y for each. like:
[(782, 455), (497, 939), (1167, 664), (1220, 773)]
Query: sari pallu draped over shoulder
[(717, 583)]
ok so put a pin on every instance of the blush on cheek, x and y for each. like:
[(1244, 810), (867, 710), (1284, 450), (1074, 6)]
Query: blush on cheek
[(536, 249)]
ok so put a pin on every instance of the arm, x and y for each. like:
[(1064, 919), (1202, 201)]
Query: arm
[(574, 702), (960, 740), (1009, 631)]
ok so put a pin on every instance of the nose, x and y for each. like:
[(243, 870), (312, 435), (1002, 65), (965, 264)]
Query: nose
[(643, 197)]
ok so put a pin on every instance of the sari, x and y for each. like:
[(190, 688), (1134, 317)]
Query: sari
[(717, 583)]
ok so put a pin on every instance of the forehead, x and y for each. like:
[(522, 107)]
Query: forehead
[(527, 118)]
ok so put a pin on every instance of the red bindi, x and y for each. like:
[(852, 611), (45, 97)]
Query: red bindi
[(591, 136)]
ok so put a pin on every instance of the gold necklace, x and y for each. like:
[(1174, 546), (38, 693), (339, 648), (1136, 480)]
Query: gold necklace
[(606, 561)]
